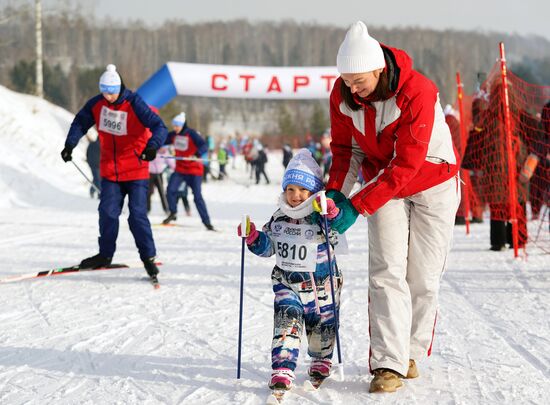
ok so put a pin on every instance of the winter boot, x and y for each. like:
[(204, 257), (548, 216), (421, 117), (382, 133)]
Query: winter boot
[(412, 372), (151, 267), (385, 380), (460, 220), (281, 379), (319, 368), (95, 262), (170, 218), (209, 227)]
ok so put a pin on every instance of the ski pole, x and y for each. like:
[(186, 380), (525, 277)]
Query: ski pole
[(335, 312), (193, 159), (245, 229), (86, 177)]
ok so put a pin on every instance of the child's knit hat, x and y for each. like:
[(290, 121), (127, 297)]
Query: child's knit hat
[(304, 171)]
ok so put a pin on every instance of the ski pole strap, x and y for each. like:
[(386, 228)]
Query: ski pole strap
[(245, 226), (323, 198), (192, 159)]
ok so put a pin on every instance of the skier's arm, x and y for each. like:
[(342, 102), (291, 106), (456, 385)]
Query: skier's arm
[(200, 143), (263, 245), (150, 120), (82, 122)]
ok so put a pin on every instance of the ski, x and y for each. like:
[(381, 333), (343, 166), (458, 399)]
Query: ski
[(161, 225), (313, 383), (276, 397), (66, 270)]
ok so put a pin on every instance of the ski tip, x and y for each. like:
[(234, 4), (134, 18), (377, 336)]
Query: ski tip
[(274, 398), (308, 386)]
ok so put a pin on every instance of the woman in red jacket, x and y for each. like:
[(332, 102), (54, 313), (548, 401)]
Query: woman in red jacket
[(386, 120)]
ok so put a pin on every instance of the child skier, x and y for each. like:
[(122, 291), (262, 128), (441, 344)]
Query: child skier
[(301, 276)]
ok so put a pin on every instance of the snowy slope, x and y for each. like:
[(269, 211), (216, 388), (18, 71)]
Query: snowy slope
[(109, 338), (32, 135)]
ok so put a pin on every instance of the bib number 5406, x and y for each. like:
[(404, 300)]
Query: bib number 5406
[(289, 251)]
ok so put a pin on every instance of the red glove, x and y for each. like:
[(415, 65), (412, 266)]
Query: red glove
[(252, 235), (332, 209)]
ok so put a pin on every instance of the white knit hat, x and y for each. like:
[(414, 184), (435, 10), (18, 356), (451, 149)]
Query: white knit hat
[(179, 120), (359, 52), (304, 171), (110, 82)]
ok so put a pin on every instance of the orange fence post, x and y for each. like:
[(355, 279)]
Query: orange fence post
[(464, 174), (512, 175)]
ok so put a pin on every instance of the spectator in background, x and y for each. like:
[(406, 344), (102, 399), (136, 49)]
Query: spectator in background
[(287, 154), (536, 169), (232, 147), (250, 152), (260, 162), (476, 209), (327, 153), (93, 158), (486, 154), (222, 160)]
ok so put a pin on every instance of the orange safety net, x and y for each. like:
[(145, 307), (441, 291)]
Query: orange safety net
[(509, 164)]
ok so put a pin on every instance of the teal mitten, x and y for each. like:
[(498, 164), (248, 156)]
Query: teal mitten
[(348, 214)]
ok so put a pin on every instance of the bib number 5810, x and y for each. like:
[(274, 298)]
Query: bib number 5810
[(289, 251)]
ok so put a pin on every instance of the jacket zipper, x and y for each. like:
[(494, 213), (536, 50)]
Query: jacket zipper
[(441, 161), (382, 122), (114, 157)]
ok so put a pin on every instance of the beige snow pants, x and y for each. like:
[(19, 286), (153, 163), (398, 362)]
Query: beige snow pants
[(409, 239)]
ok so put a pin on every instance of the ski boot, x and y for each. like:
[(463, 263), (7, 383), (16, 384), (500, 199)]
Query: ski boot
[(281, 379), (95, 262), (152, 271), (318, 371), (170, 218), (280, 383), (209, 227)]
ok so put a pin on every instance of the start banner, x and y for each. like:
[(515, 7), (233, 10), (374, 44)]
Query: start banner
[(231, 81)]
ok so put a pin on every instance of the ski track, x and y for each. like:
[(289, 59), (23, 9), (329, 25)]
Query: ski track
[(530, 358), (106, 337)]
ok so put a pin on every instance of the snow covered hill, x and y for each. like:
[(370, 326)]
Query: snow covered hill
[(108, 338)]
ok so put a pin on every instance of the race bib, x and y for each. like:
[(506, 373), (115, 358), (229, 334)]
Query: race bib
[(113, 122), (296, 246), (181, 143)]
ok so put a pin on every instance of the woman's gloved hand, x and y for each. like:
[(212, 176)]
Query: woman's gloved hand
[(348, 212)]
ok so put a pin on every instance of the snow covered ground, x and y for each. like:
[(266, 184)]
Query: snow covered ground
[(108, 338)]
